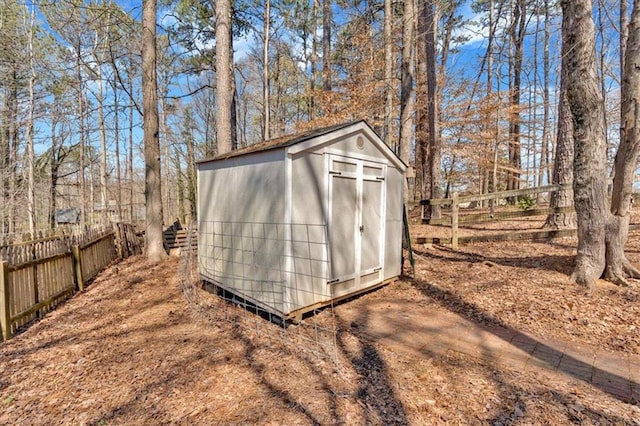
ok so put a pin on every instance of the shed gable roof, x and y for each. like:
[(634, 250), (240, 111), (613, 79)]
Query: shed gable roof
[(298, 138), (280, 142)]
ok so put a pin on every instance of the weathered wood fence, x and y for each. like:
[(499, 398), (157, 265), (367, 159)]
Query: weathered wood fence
[(455, 219), (37, 275), (177, 237)]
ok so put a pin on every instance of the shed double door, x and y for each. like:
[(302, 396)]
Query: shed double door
[(356, 223)]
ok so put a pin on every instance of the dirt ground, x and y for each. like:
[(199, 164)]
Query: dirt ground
[(141, 347)]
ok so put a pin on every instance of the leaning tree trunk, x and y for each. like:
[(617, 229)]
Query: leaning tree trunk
[(590, 169), (618, 267)]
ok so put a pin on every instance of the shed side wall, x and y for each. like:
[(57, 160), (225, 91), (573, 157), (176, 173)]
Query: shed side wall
[(309, 230), (241, 230), (393, 228)]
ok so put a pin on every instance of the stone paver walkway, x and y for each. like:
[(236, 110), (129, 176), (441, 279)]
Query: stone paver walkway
[(432, 332)]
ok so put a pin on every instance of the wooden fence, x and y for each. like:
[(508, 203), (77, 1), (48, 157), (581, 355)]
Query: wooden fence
[(455, 219), (37, 275), (177, 237)]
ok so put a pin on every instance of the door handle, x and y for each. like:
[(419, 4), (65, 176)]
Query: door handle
[(361, 228)]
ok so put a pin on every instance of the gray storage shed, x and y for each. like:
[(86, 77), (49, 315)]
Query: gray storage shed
[(294, 223)]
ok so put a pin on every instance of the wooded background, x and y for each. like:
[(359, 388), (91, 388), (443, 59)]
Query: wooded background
[(467, 91)]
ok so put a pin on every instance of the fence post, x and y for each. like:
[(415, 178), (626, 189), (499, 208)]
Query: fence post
[(5, 313), (454, 221), (77, 263)]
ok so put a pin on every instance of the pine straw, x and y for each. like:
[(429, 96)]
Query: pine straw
[(132, 350), (526, 286)]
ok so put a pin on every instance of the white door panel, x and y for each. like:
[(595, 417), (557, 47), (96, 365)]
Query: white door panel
[(356, 222)]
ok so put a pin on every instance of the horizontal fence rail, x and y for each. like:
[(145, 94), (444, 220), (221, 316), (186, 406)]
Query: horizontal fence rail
[(495, 195), (37, 275), (456, 202)]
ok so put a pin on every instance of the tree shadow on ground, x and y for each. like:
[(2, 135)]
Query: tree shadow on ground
[(557, 263), (279, 392), (374, 392), (542, 355), (375, 389)]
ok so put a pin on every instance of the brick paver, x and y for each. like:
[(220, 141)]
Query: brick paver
[(432, 332)]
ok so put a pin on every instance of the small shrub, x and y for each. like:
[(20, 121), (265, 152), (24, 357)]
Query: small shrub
[(526, 202)]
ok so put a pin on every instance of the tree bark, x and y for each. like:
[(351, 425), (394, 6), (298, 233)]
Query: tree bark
[(563, 159), (265, 71), (544, 150), (562, 168), (153, 187), (517, 31), (130, 156), (224, 88), (589, 169), (388, 73), (104, 198), (407, 100), (624, 37), (432, 108), (314, 61), (326, 45), (81, 130), (116, 131), (422, 122), (618, 267), (31, 201)]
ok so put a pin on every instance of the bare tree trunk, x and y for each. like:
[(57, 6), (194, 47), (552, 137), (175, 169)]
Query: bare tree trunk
[(265, 71), (563, 162), (104, 199), (234, 113), (153, 187), (407, 100), (602, 73), (224, 87), (81, 131), (431, 18), (326, 45), (130, 159), (618, 267), (179, 185), (53, 175), (116, 126), (590, 168), (314, 61), (624, 37), (191, 172), (532, 166), (30, 160), (167, 208), (490, 184), (517, 32), (422, 122), (388, 73), (544, 155)]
